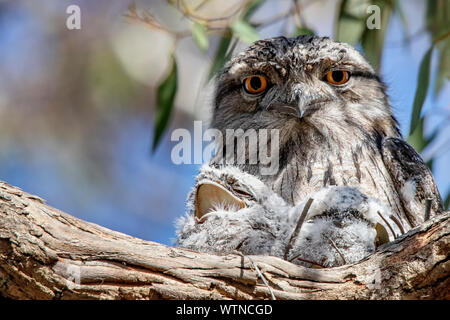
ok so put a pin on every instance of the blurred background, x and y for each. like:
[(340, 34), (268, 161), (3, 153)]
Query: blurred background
[(86, 114)]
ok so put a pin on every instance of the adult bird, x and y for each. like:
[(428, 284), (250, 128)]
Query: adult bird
[(335, 125)]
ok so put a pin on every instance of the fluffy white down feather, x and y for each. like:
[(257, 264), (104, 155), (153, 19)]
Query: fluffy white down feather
[(338, 229)]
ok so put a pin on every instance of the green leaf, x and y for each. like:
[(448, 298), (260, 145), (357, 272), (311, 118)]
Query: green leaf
[(223, 54), (372, 43), (226, 46), (443, 68), (401, 15), (372, 40), (349, 29), (350, 22), (303, 31), (244, 31), (421, 90), (437, 17), (251, 8), (165, 98), (199, 34), (416, 139)]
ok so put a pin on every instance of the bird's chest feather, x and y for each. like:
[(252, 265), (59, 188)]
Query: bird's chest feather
[(313, 156), (348, 162), (310, 170)]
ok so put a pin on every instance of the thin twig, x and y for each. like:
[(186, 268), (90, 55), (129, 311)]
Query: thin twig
[(399, 225), (406, 40), (297, 257), (337, 249), (200, 5), (259, 273), (280, 16), (184, 9), (419, 33), (297, 13), (273, 19), (147, 19), (442, 37), (297, 228), (387, 223)]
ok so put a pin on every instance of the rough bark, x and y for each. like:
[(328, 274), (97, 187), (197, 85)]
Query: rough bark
[(48, 254)]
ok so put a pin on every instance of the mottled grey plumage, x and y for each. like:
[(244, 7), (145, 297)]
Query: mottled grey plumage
[(341, 226), (339, 145), (329, 135)]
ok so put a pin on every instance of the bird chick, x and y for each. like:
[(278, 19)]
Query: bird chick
[(229, 210)]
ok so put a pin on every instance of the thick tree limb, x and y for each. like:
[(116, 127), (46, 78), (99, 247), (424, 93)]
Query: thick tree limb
[(48, 254)]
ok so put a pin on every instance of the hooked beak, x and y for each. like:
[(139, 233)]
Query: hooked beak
[(301, 102), (301, 110), (310, 108)]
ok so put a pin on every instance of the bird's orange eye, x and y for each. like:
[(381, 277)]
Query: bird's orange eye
[(337, 77), (255, 84)]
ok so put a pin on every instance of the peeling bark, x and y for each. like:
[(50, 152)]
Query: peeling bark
[(48, 254)]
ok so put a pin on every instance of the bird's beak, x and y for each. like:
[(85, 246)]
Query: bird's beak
[(300, 110), (308, 109), (302, 102), (306, 99)]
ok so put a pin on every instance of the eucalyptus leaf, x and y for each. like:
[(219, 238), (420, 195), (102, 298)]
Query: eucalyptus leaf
[(165, 98), (399, 11), (437, 23), (437, 17), (443, 68), (199, 34), (251, 8), (222, 55), (423, 81), (417, 138), (372, 40), (350, 22), (303, 31), (349, 29), (244, 31)]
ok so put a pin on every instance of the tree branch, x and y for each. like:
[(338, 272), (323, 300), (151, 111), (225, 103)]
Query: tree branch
[(48, 254)]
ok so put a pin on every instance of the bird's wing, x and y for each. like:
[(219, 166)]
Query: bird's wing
[(412, 178)]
